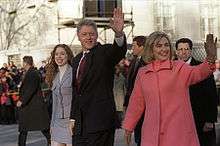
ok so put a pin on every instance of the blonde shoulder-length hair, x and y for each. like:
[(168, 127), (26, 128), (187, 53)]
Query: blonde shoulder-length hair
[(152, 40)]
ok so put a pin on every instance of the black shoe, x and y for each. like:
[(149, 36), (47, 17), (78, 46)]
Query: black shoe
[(49, 143)]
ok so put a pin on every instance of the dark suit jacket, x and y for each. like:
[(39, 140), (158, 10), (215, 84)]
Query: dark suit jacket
[(132, 73), (203, 96), (93, 106), (33, 114)]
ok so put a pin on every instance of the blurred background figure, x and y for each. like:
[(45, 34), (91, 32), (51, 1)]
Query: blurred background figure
[(203, 97), (217, 79), (7, 108), (42, 70), (5, 65), (32, 110), (119, 90)]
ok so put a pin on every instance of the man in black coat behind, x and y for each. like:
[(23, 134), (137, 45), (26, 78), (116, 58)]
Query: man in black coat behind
[(136, 63), (203, 97), (32, 110), (93, 112)]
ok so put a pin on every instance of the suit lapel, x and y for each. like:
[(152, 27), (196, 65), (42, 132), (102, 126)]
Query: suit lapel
[(56, 84), (193, 62), (131, 68), (67, 73), (24, 76), (141, 62)]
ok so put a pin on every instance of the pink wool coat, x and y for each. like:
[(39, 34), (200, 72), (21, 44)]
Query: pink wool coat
[(162, 92)]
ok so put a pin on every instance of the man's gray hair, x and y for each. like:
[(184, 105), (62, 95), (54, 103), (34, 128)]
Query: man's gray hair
[(86, 22)]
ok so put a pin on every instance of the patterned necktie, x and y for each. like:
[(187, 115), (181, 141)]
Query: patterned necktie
[(81, 69)]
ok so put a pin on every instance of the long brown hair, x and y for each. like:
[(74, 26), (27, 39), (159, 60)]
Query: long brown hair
[(52, 67)]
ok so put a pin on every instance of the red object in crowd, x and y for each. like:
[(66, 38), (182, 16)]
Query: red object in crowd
[(15, 97), (3, 99)]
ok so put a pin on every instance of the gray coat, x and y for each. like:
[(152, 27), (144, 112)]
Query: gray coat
[(62, 96)]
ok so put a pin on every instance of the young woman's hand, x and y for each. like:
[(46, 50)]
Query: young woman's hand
[(127, 136)]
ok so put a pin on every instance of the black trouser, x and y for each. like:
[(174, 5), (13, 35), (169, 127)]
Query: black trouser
[(7, 113), (23, 137), (137, 131), (102, 138), (206, 138)]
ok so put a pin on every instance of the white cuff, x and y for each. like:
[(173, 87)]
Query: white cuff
[(72, 120), (120, 40)]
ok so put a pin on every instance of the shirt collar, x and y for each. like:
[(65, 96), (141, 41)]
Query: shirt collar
[(86, 51), (189, 60), (163, 65)]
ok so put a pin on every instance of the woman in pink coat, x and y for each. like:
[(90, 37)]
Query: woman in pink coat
[(161, 91)]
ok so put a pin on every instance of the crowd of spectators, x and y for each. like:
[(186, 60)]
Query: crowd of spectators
[(10, 79)]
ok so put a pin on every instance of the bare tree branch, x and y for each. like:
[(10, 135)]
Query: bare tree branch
[(17, 25)]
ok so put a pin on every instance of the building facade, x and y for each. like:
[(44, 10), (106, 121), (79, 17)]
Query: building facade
[(49, 22)]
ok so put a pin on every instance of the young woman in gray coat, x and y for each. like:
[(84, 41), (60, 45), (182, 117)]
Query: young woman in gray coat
[(59, 78)]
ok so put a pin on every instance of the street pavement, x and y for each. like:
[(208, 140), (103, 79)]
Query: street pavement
[(9, 137), (218, 132)]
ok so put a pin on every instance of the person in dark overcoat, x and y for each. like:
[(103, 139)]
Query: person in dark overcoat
[(136, 63), (203, 97), (93, 112), (32, 110)]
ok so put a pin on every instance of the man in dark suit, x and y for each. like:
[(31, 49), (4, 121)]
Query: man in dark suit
[(93, 111), (136, 63), (32, 110), (203, 97)]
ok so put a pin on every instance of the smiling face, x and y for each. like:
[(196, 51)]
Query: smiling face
[(88, 37), (161, 49), (60, 56)]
